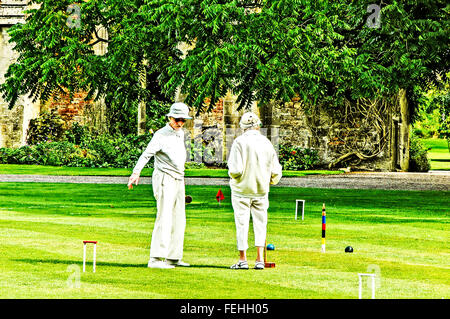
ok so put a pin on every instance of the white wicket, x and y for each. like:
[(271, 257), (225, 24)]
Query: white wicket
[(303, 208), (84, 253), (360, 284)]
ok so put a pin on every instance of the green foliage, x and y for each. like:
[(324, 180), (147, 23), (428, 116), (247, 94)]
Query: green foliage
[(428, 125), (77, 133), (320, 51), (441, 99), (444, 130), (47, 127), (296, 158), (156, 115), (418, 159), (78, 147), (194, 165), (409, 48), (276, 52), (56, 55), (50, 153), (432, 118), (119, 151)]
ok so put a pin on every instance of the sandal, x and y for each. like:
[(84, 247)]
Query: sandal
[(259, 265), (240, 265)]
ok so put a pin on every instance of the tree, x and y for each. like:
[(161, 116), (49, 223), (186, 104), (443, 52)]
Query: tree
[(321, 51), (325, 52), (407, 51), (56, 55), (434, 109), (259, 50)]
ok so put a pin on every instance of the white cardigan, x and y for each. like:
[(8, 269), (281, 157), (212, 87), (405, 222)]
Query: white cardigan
[(253, 165), (167, 145)]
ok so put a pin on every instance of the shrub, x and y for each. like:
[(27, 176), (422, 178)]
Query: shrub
[(296, 158), (418, 159), (100, 151), (194, 165), (81, 148), (50, 153), (78, 134), (46, 127), (119, 151)]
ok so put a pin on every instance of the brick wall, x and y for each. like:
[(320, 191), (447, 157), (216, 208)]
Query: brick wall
[(70, 109)]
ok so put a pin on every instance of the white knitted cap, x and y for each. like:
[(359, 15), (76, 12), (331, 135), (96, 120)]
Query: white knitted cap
[(249, 119)]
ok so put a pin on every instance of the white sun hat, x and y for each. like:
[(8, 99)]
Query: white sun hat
[(179, 110), (249, 119)]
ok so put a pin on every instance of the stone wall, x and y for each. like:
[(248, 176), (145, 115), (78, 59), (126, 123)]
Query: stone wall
[(315, 128), (294, 128), (14, 122), (11, 12), (77, 109), (215, 130), (334, 135)]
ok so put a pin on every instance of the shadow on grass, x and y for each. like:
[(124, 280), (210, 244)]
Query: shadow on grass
[(109, 264)]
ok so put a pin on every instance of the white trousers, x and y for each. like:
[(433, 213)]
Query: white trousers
[(170, 223), (244, 207)]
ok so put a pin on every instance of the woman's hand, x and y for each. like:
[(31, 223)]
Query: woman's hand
[(134, 179)]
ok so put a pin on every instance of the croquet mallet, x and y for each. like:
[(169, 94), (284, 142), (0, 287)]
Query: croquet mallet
[(266, 263)]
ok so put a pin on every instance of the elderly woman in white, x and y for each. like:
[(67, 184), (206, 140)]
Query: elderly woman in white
[(253, 166), (168, 148)]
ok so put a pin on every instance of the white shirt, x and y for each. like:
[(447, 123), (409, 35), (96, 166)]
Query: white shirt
[(167, 145), (253, 165)]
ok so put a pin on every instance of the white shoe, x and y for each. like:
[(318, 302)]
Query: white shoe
[(159, 264), (180, 263), (259, 265), (241, 264)]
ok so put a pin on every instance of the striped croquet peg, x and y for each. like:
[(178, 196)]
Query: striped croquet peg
[(84, 253), (324, 226)]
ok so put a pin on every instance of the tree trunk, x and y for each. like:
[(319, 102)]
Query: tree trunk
[(405, 127), (141, 106)]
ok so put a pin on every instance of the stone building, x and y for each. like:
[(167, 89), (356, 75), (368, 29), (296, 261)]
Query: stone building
[(365, 135), (362, 134), (13, 123)]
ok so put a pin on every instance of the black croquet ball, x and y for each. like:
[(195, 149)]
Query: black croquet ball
[(349, 249)]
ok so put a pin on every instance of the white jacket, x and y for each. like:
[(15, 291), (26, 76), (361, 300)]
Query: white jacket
[(253, 165), (167, 145)]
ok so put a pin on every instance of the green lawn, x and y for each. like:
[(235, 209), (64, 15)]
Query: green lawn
[(402, 236), (438, 153), (85, 171)]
